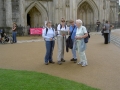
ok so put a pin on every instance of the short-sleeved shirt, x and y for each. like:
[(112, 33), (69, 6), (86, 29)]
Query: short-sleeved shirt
[(107, 28), (98, 23), (62, 29), (81, 31), (74, 31)]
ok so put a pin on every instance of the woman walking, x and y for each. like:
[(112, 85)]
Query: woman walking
[(48, 35), (81, 33)]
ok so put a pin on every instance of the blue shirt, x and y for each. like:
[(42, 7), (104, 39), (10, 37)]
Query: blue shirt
[(74, 32), (50, 34)]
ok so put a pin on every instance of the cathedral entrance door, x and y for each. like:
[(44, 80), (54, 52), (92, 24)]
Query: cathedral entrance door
[(34, 18)]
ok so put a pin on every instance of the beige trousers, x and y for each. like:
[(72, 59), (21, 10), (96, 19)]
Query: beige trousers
[(61, 42), (82, 55)]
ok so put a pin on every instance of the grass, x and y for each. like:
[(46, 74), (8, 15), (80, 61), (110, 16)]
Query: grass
[(25, 80)]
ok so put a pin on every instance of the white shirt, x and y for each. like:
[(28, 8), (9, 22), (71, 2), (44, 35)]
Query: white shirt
[(81, 31), (62, 29)]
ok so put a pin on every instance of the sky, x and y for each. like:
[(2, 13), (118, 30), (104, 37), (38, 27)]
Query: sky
[(119, 2)]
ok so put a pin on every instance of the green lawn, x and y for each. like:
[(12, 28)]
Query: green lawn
[(25, 80)]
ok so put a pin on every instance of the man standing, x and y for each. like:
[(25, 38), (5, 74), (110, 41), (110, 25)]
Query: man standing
[(73, 29), (98, 25)]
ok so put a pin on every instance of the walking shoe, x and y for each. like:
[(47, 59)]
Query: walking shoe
[(62, 60), (59, 62), (52, 62), (75, 60), (84, 64), (72, 59), (46, 63), (80, 63)]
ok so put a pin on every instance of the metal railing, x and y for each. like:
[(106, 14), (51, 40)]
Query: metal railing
[(93, 27), (90, 28)]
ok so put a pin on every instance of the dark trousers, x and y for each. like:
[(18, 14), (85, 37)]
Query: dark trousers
[(49, 50), (98, 28), (106, 38), (14, 34)]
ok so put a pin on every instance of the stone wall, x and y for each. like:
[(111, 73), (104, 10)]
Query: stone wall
[(88, 10), (1, 13)]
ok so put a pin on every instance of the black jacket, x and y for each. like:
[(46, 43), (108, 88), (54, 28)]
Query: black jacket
[(69, 44)]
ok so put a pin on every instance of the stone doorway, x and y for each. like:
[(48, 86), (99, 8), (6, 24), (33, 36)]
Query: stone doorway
[(85, 13), (34, 18)]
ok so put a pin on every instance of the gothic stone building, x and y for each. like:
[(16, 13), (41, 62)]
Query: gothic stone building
[(36, 12)]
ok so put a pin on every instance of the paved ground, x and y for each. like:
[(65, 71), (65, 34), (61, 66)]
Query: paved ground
[(102, 72)]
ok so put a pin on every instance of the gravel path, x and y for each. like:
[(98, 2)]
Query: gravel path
[(102, 72)]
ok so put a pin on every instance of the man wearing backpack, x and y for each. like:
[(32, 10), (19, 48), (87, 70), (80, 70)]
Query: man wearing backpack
[(48, 35), (73, 29), (61, 41)]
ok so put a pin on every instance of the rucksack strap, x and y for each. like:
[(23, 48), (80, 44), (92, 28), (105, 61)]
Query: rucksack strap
[(61, 26), (72, 30), (47, 30)]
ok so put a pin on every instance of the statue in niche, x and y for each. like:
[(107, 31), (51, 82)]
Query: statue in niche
[(67, 3)]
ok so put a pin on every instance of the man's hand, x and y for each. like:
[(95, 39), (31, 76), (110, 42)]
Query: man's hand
[(51, 39), (63, 35)]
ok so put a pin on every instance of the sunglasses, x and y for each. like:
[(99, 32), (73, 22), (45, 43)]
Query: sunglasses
[(62, 21)]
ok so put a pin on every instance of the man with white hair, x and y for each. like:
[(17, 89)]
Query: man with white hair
[(81, 33)]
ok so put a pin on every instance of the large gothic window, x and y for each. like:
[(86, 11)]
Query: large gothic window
[(85, 13)]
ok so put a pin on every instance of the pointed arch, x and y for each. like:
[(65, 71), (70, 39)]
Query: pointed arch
[(93, 8), (40, 8)]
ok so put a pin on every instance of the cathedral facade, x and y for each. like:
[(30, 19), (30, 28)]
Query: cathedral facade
[(36, 12)]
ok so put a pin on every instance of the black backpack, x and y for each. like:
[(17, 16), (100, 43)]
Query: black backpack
[(61, 26)]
